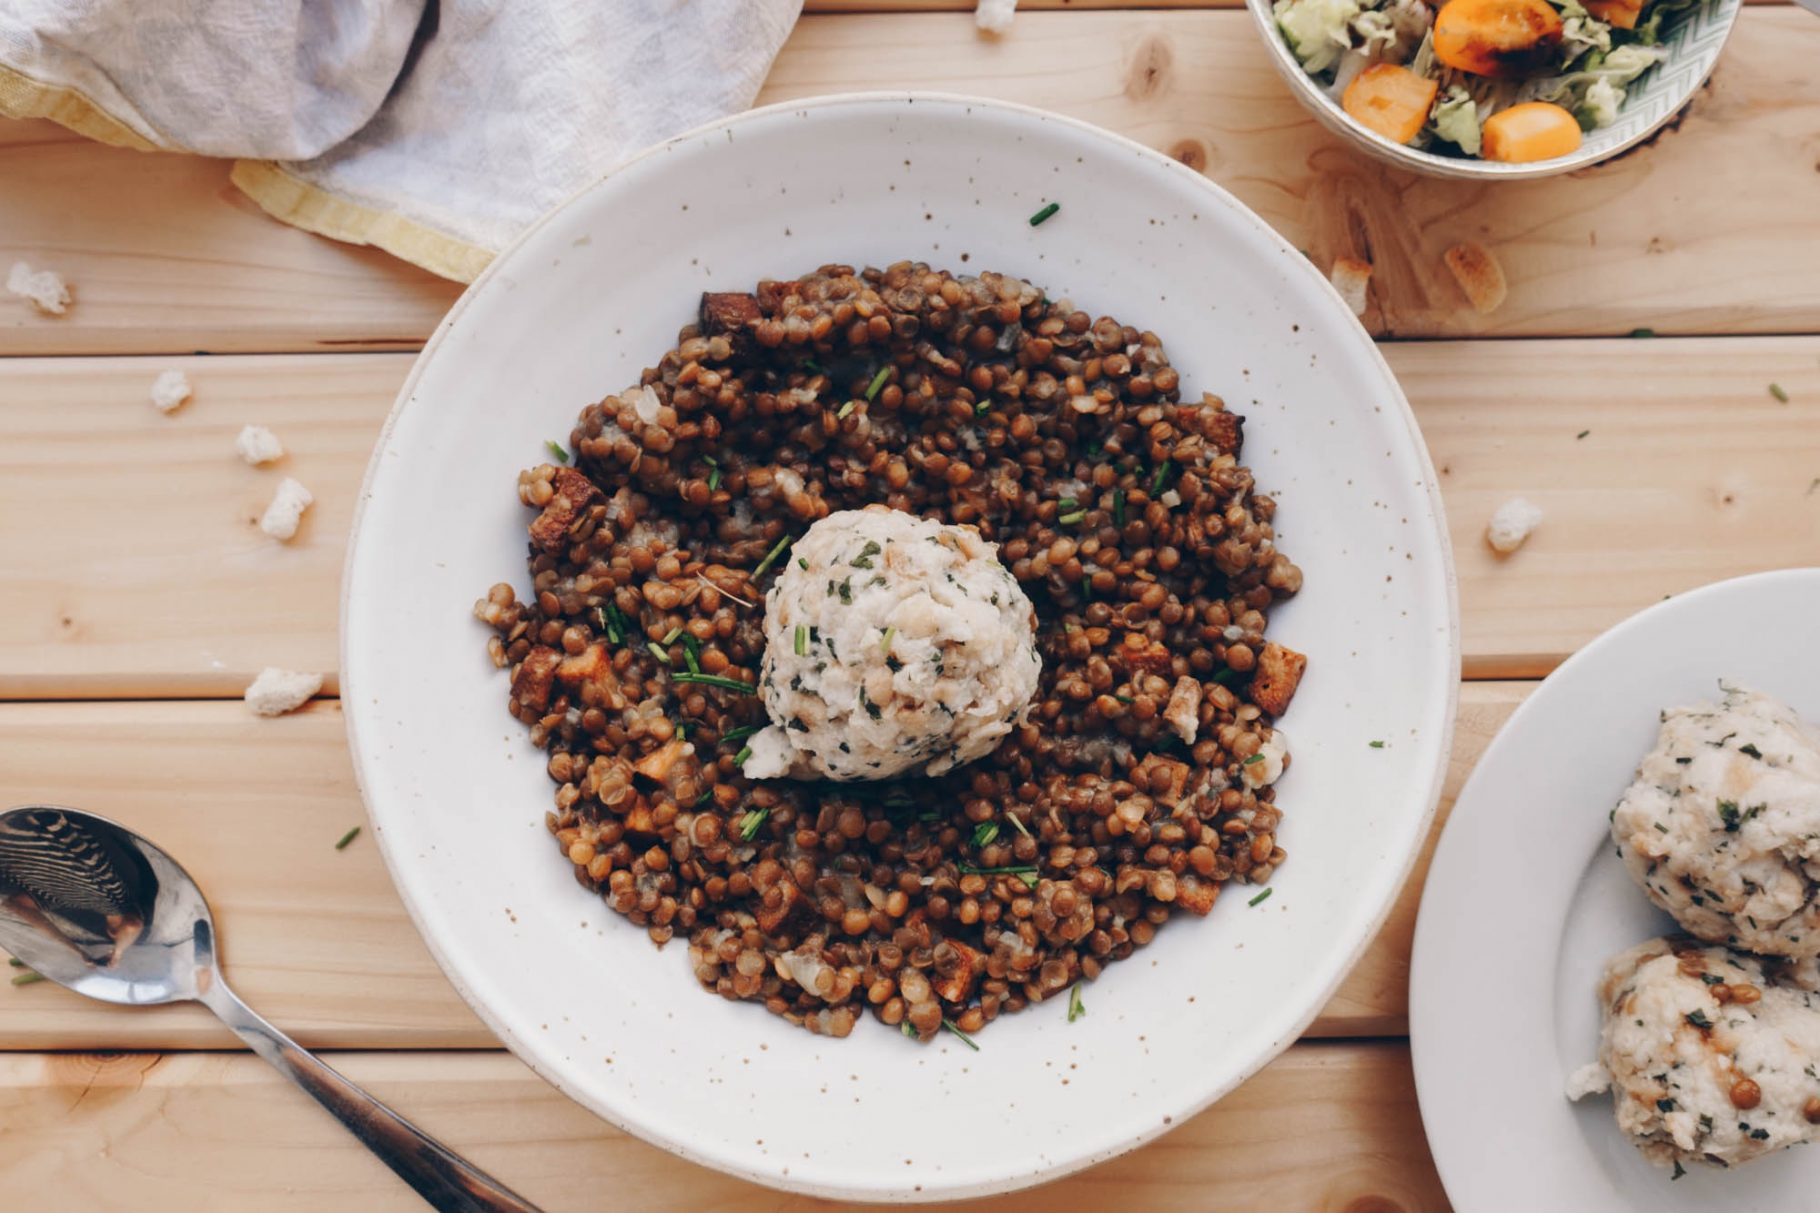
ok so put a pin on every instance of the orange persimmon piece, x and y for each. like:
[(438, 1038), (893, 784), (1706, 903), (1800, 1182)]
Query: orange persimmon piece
[(1503, 39), (1621, 14), (1535, 130), (1391, 100)]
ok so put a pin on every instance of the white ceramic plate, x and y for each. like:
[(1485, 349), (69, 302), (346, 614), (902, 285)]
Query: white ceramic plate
[(596, 292), (1526, 901)]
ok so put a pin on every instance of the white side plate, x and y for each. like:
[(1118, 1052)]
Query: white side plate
[(1526, 901)]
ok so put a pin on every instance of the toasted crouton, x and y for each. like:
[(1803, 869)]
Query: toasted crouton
[(1226, 431), (956, 985), (1195, 895), (1183, 712), (1279, 673), (574, 494), (727, 311), (772, 912), (1478, 274), (1351, 277), (532, 680), (656, 765)]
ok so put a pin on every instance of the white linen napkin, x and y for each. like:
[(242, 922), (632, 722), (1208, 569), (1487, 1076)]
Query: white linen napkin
[(436, 129)]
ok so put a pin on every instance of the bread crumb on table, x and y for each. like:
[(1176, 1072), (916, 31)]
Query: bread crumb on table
[(170, 390), (1351, 277), (1478, 274), (257, 445), (45, 288), (288, 504), (994, 16), (1512, 523), (277, 691)]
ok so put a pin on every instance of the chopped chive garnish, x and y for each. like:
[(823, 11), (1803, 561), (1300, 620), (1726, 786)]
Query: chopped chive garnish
[(1377, 745), (1017, 825), (1255, 758), (749, 824), (1643, 332), (28, 978), (965, 1039), (1087, 589), (984, 833), (711, 461), (771, 558), (1581, 434), (658, 651), (1162, 477), (1076, 1008), (682, 727), (1016, 869), (802, 564), (556, 451), (1042, 216), (802, 641), (878, 381), (1118, 507), (1071, 518), (907, 1030), (714, 480), (691, 653), (715, 680), (1261, 896), (1066, 504), (15, 962), (740, 733), (885, 644), (1779, 392), (610, 616), (739, 759), (671, 635), (1229, 677), (704, 798), (845, 409), (342, 843), (1699, 1019), (980, 409)]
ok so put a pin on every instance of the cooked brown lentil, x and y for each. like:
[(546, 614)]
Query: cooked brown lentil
[(1124, 513)]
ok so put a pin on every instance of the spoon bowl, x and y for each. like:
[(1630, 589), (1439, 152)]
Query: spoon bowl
[(97, 909)]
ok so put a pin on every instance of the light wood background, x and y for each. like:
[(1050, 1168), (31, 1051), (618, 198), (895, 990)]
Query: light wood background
[(140, 597)]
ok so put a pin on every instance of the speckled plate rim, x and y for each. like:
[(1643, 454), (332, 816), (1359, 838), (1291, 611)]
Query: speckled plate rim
[(1391, 878), (1328, 112)]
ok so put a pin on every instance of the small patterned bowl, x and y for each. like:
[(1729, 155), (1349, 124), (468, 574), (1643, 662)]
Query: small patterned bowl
[(1693, 52)]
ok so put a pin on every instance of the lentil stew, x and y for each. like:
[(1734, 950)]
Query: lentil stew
[(1142, 779)]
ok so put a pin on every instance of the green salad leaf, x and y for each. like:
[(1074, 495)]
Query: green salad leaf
[(1456, 119)]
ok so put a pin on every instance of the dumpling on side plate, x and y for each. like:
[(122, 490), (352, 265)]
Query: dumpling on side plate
[(1722, 825), (1711, 1055)]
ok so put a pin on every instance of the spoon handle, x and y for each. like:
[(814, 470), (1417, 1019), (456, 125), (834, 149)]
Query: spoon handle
[(447, 1182)]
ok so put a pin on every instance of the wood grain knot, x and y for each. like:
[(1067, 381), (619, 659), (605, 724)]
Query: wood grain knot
[(1191, 152), (1372, 1204), (1149, 69)]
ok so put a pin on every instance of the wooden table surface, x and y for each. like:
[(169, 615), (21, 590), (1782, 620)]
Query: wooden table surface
[(140, 598)]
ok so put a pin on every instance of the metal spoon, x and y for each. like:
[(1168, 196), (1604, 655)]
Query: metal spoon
[(94, 907)]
